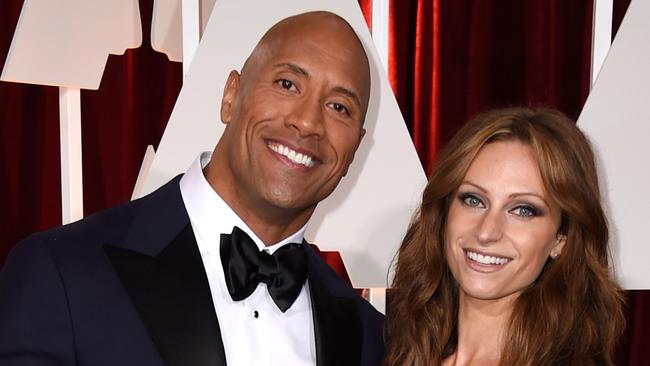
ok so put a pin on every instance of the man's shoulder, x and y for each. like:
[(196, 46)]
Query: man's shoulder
[(110, 225)]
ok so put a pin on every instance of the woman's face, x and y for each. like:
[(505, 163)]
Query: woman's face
[(502, 226)]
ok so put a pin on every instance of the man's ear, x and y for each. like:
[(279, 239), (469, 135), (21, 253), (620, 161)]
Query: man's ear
[(361, 134), (230, 91)]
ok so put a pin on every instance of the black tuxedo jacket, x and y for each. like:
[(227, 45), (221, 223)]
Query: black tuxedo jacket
[(127, 286)]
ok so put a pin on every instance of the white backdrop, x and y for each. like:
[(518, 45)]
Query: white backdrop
[(617, 120), (67, 42)]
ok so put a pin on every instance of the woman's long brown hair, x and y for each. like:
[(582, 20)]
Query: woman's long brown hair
[(571, 315)]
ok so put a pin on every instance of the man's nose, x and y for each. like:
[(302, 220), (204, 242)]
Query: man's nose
[(306, 116), (490, 227)]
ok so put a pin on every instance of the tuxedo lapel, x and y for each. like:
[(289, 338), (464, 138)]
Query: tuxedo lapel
[(172, 296), (337, 322)]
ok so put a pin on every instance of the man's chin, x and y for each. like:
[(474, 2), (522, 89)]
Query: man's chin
[(291, 201), (289, 204)]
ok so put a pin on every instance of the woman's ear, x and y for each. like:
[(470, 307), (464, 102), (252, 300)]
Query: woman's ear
[(557, 248)]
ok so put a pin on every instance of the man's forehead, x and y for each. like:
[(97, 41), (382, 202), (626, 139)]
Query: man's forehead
[(313, 25), (286, 43), (320, 20)]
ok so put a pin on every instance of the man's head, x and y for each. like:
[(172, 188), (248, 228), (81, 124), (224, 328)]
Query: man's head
[(294, 119)]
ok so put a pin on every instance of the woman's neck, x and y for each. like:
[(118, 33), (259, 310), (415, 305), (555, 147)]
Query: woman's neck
[(482, 325)]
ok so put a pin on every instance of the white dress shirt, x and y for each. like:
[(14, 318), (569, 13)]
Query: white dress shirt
[(254, 331)]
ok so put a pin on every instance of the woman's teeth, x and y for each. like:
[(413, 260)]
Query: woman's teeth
[(487, 259)]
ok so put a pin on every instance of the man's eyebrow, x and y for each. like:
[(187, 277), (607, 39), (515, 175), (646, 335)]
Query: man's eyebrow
[(349, 93), (293, 67), (338, 89)]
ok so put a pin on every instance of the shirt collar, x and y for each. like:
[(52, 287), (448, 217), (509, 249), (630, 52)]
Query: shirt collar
[(211, 216)]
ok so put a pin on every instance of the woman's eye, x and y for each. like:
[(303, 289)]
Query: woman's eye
[(471, 200), (525, 211)]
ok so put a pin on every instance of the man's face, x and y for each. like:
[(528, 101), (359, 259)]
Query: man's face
[(295, 118)]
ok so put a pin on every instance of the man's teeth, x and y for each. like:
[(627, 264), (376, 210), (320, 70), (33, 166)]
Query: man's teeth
[(295, 157), (487, 259)]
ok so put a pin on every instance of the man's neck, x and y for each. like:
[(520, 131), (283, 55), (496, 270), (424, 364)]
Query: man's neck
[(270, 228), (269, 223)]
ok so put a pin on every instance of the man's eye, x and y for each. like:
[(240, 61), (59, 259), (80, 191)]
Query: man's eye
[(286, 84), (471, 200), (525, 211), (340, 108)]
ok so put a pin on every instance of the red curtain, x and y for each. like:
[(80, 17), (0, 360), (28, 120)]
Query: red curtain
[(366, 9), (452, 59), (448, 60), (30, 187), (127, 113)]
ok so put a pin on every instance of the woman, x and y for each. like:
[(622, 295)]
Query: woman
[(506, 261)]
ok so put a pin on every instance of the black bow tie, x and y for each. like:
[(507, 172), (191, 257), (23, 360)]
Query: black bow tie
[(245, 267)]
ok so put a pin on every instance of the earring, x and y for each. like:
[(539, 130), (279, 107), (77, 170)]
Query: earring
[(555, 255)]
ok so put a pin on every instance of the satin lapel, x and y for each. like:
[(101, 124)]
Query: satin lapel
[(172, 296), (337, 325)]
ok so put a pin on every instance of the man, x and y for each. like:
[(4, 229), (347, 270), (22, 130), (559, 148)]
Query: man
[(206, 270)]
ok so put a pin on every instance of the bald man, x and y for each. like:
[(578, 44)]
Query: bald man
[(212, 268)]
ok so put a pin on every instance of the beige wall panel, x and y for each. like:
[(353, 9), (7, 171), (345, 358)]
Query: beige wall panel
[(67, 42)]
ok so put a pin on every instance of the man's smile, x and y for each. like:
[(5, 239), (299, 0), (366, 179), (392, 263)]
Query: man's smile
[(302, 158)]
